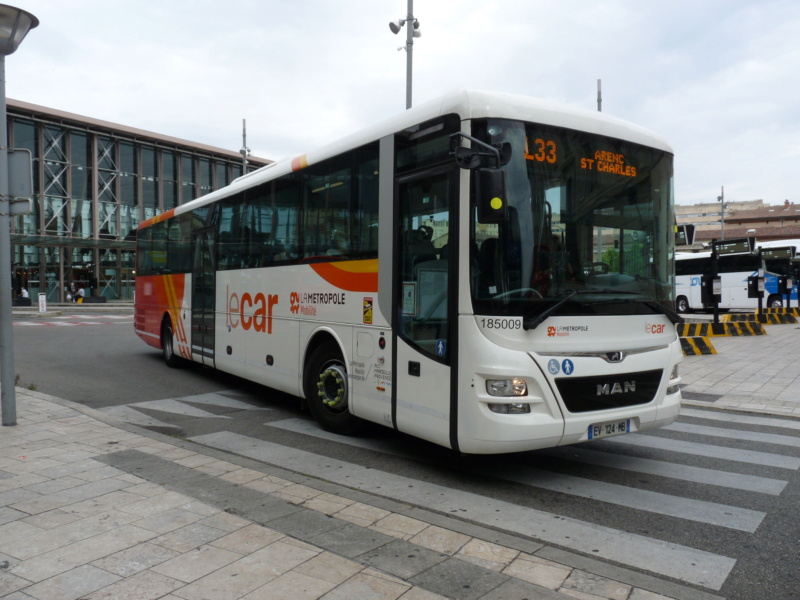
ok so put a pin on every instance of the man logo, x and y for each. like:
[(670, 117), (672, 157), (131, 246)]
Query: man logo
[(614, 357), (609, 389)]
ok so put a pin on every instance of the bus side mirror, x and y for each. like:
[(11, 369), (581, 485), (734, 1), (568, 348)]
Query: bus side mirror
[(491, 195)]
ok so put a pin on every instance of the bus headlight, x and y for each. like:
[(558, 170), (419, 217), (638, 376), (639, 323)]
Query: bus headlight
[(674, 382), (507, 387)]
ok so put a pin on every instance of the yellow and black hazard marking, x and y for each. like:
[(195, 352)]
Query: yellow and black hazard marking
[(764, 318), (696, 346), (794, 311), (720, 329)]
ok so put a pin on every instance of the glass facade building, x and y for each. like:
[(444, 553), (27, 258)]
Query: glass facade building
[(93, 183)]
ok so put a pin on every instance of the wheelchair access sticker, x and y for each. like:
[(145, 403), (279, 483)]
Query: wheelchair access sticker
[(555, 368)]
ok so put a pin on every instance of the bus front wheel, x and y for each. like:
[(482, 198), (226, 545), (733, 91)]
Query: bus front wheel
[(327, 391), (168, 345), (774, 301), (682, 305)]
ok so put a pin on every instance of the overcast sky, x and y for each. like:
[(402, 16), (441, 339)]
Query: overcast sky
[(720, 79)]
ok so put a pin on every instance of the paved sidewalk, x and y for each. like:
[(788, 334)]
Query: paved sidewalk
[(758, 373), (97, 509)]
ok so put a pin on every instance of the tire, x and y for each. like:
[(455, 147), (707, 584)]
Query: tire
[(682, 305), (171, 359), (774, 301), (327, 391)]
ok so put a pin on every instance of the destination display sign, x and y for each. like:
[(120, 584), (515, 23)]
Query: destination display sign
[(684, 236), (546, 150), (541, 150), (608, 162), (783, 252), (738, 246)]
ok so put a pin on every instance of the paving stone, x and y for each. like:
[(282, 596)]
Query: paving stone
[(249, 573), (440, 539), (514, 589), (169, 520), (291, 586), (198, 563), (248, 539), (10, 583), (402, 558), (72, 584), (330, 567), (349, 540), (304, 524), (455, 578), (146, 585), (189, 537), (367, 586), (135, 559)]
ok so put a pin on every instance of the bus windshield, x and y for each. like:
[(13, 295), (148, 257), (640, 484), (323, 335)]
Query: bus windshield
[(588, 224)]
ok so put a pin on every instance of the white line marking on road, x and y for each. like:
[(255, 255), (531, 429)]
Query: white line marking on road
[(664, 558)]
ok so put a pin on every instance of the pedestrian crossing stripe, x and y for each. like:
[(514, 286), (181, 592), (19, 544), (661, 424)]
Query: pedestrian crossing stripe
[(76, 321), (684, 563)]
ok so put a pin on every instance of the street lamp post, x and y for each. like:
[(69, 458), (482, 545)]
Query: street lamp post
[(721, 200), (412, 31), (14, 26)]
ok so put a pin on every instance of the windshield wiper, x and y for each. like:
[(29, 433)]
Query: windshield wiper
[(529, 323), (668, 312), (656, 307)]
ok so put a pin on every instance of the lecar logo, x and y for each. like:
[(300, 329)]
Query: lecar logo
[(251, 312)]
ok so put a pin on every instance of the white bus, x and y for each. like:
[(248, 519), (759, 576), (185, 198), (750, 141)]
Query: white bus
[(488, 272), (734, 271)]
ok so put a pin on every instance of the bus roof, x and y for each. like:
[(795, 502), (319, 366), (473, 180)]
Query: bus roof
[(469, 104)]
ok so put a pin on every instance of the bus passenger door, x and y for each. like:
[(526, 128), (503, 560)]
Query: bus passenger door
[(203, 296), (425, 341)]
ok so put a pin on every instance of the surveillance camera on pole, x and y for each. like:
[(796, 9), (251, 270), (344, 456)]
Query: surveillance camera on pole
[(411, 32)]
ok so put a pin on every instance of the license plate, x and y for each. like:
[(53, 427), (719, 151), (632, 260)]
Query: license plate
[(601, 430)]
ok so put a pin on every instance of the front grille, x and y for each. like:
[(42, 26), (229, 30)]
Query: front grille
[(586, 394)]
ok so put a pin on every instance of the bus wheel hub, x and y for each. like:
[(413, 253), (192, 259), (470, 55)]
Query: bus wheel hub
[(332, 387)]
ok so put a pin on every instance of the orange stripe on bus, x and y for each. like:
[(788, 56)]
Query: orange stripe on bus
[(157, 219), (299, 162), (175, 285), (351, 276)]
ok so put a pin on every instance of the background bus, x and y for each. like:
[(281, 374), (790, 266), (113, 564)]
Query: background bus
[(401, 276), (734, 270)]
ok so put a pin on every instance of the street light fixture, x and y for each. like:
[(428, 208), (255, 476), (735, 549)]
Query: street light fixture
[(412, 31), (721, 200), (14, 26)]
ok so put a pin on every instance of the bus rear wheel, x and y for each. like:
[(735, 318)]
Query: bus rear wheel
[(682, 305), (327, 391), (168, 345), (774, 301)]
